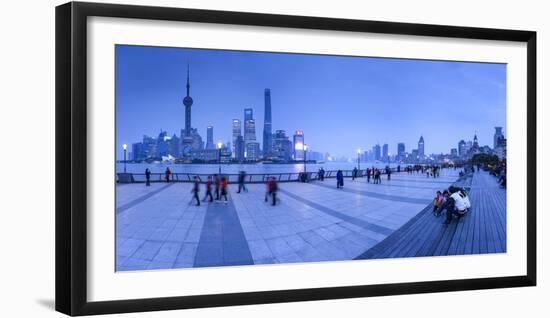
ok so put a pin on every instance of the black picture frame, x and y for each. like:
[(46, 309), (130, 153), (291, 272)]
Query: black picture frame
[(71, 157)]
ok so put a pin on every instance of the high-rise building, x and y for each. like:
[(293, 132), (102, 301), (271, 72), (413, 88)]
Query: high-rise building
[(298, 140), (282, 146), (249, 131), (137, 151), (162, 144), (187, 102), (252, 149), (462, 148), (401, 151), (149, 147), (267, 140), (210, 138), (174, 146), (236, 135), (497, 136), (376, 152), (421, 148), (191, 141), (248, 114), (238, 148), (385, 152), (454, 152)]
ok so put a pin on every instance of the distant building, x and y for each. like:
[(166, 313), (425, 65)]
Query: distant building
[(454, 152), (497, 136), (401, 151), (236, 134), (500, 150), (149, 147), (421, 153), (462, 149), (162, 144), (238, 146), (252, 151), (210, 138), (385, 151), (298, 141), (267, 135), (282, 146), (175, 146), (137, 151), (376, 152)]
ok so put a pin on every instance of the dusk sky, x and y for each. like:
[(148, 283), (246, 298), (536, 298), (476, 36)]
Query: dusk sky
[(341, 103)]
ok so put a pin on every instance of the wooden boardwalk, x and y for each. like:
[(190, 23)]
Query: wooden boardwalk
[(481, 231)]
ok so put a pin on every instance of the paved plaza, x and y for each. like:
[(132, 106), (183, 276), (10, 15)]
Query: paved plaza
[(159, 227)]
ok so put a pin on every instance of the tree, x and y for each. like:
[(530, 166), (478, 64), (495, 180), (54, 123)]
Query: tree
[(484, 159)]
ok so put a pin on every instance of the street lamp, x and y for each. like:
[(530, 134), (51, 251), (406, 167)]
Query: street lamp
[(305, 158), (124, 147), (358, 159), (220, 157)]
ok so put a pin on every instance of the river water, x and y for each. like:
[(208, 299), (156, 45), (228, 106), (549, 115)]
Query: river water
[(249, 168)]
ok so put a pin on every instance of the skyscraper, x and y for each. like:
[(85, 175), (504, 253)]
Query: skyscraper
[(282, 146), (376, 152), (401, 151), (461, 148), (238, 146), (187, 102), (210, 138), (497, 136), (385, 151), (268, 137), (248, 114), (236, 135), (421, 148), (298, 140)]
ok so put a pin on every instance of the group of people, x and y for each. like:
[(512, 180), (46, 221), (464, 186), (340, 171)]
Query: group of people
[(375, 173), (220, 187), (454, 201)]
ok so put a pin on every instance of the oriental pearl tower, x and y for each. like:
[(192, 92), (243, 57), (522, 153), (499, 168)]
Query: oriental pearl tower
[(187, 102)]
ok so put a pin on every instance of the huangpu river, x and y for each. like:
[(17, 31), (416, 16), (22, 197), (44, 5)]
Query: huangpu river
[(249, 168)]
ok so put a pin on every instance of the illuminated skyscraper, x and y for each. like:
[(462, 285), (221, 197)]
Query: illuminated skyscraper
[(267, 137), (298, 145), (187, 102), (385, 152)]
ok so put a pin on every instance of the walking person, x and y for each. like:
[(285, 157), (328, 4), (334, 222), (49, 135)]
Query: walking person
[(268, 188), (274, 188), (167, 174), (242, 176), (208, 190), (339, 179), (223, 185), (196, 189), (388, 172), (147, 177), (368, 175), (217, 186), (354, 173), (322, 174)]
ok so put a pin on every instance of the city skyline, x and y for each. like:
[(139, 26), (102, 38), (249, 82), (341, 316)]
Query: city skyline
[(145, 103)]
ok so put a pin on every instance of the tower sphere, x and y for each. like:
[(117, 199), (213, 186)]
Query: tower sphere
[(187, 101)]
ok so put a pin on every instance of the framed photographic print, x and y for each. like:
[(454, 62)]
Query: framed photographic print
[(209, 158)]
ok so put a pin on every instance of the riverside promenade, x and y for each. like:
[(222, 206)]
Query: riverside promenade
[(159, 227)]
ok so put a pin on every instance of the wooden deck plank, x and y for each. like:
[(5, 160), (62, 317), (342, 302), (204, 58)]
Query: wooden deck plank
[(483, 230)]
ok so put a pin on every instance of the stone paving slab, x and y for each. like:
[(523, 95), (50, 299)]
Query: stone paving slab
[(159, 227)]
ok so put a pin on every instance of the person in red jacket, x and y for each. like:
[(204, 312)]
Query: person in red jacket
[(223, 185), (167, 174)]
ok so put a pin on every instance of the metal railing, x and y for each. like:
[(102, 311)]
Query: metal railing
[(250, 178)]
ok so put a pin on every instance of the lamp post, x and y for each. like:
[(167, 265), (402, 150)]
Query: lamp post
[(358, 159), (124, 147), (305, 158), (220, 157)]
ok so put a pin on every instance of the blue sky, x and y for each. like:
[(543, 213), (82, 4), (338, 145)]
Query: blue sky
[(341, 103)]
